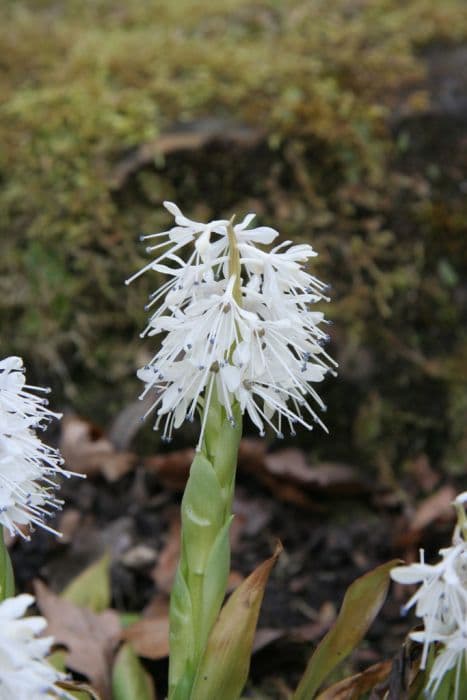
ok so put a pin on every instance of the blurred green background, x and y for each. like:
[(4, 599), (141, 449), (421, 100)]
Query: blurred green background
[(340, 122)]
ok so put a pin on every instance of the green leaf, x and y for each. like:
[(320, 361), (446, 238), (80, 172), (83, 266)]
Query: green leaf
[(91, 589), (181, 635), (224, 668), (7, 579), (202, 513), (226, 449), (129, 679), (215, 581), (361, 604)]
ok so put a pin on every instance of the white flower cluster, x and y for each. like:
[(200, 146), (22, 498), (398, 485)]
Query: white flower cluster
[(27, 465), (235, 318), (24, 672), (441, 602)]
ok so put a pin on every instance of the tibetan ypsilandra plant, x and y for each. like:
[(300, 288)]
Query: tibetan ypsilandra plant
[(238, 335)]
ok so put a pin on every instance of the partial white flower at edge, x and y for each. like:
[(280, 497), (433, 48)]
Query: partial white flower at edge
[(441, 603), (28, 467), (452, 655), (25, 674), (254, 340)]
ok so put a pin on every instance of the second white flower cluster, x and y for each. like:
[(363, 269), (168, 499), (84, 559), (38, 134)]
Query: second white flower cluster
[(441, 602), (28, 466), (246, 333)]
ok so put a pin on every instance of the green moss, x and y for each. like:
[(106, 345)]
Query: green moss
[(320, 80)]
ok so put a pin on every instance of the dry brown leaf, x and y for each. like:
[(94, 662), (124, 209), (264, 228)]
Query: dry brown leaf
[(353, 687), (265, 636), (435, 507), (423, 473), (251, 453), (149, 637), (439, 505), (288, 463), (90, 639), (252, 459), (308, 632), (86, 450), (291, 464), (290, 493), (289, 477), (171, 468), (285, 472), (68, 523)]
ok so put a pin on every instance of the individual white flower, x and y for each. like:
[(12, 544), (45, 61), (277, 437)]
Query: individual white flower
[(24, 672), (247, 333), (28, 467)]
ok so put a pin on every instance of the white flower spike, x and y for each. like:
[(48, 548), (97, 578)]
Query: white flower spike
[(24, 672), (235, 319), (441, 602), (28, 467)]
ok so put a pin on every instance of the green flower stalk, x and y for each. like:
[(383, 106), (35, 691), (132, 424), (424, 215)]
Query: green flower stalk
[(201, 579), (238, 338)]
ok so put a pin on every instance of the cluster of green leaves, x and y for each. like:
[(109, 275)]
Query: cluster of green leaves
[(223, 669), (87, 81)]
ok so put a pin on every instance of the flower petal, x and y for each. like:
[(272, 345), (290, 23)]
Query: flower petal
[(414, 573), (262, 234)]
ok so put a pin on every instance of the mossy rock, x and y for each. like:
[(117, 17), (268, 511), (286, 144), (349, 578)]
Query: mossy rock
[(315, 114)]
